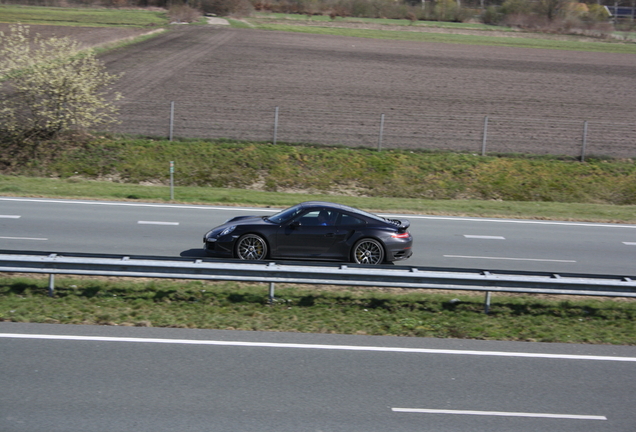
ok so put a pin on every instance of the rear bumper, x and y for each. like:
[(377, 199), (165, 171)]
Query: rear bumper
[(398, 249), (400, 254)]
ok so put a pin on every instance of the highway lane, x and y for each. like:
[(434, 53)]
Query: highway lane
[(449, 242), (136, 379)]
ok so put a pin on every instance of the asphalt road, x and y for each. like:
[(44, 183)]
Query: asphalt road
[(447, 242), (136, 379)]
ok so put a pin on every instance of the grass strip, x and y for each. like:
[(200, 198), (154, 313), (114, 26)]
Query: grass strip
[(76, 188), (258, 174), (197, 304), (514, 42), (304, 19), (89, 17)]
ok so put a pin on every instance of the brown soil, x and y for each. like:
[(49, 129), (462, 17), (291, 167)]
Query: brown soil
[(87, 36), (226, 82)]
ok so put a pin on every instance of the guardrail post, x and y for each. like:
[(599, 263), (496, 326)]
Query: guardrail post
[(487, 303), (51, 284), (271, 292)]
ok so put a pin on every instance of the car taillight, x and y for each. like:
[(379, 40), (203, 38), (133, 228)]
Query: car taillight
[(401, 235)]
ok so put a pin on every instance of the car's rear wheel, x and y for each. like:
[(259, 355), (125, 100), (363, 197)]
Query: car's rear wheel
[(368, 251), (251, 247)]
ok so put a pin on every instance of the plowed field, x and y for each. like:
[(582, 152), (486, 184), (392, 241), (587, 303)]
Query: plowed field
[(87, 36), (227, 82)]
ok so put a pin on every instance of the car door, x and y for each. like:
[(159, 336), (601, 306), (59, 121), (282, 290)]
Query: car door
[(349, 228), (307, 236)]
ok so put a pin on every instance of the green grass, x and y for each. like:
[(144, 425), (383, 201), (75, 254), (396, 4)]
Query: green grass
[(244, 173), (234, 306), (394, 31), (516, 42), (77, 188), (301, 19), (90, 17)]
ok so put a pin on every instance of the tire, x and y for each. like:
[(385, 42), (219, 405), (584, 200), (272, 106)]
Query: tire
[(251, 247), (368, 251)]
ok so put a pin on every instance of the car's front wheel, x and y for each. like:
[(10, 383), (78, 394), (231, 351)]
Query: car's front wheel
[(368, 251), (251, 247)]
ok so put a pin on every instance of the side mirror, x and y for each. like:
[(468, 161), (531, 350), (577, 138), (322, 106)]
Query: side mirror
[(294, 224)]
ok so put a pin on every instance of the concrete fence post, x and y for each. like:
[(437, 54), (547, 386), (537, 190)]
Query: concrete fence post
[(484, 138), (275, 126), (584, 141), (171, 119), (381, 132)]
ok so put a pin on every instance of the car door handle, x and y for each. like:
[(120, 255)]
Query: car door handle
[(329, 235)]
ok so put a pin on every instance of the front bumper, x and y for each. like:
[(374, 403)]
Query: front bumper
[(216, 248)]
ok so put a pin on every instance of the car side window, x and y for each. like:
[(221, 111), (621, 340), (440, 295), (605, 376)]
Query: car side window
[(350, 220), (318, 218)]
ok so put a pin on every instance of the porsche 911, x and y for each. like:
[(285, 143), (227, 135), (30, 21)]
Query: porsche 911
[(313, 231)]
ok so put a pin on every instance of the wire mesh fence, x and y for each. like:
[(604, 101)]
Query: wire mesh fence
[(390, 129)]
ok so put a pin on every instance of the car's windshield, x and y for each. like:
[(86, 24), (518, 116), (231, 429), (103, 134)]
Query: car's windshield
[(285, 215)]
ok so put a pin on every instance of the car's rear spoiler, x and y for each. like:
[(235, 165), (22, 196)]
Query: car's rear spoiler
[(402, 224)]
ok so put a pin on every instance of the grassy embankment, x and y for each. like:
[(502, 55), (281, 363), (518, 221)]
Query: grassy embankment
[(262, 174), (400, 181)]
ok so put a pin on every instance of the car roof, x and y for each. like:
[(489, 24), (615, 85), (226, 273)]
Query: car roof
[(354, 210), (328, 204)]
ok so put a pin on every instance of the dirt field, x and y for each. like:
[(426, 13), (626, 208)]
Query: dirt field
[(227, 82), (87, 36)]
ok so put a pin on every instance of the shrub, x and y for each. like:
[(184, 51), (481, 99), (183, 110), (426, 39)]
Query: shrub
[(183, 13), (596, 13), (50, 88), (492, 15), (449, 10), (227, 7)]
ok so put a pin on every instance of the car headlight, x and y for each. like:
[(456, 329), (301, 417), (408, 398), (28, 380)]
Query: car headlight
[(227, 230)]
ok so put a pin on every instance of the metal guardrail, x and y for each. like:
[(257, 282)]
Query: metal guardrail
[(272, 273)]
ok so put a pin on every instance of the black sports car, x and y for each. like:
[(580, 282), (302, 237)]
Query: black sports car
[(313, 230)]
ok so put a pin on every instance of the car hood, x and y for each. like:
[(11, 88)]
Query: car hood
[(245, 220)]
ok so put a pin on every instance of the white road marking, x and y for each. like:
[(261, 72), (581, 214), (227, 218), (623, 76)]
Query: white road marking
[(156, 223), (317, 346), (270, 210), (129, 204), (510, 259), (501, 414), (630, 243), (484, 237), (513, 221), (10, 217), (23, 238)]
